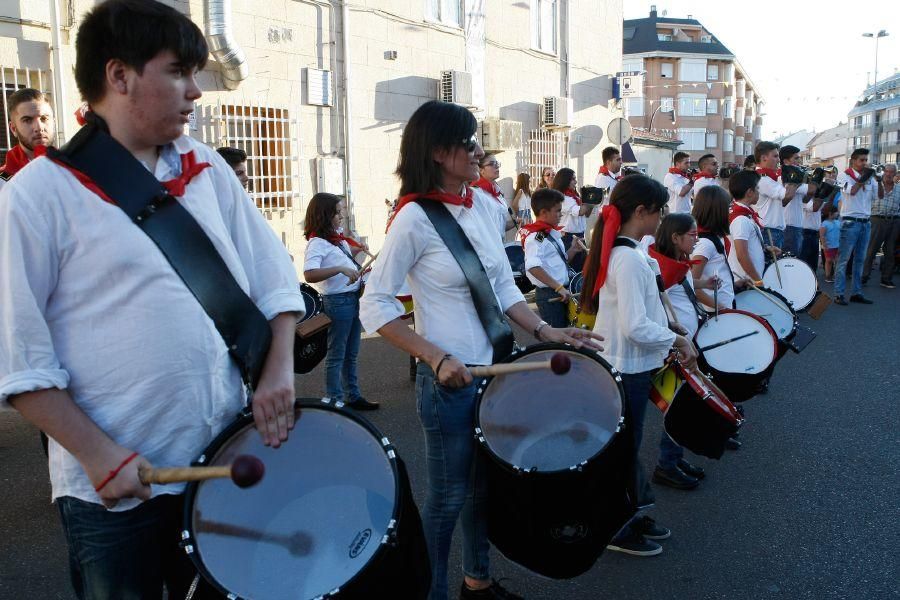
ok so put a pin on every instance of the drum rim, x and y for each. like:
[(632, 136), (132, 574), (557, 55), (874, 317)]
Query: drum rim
[(317, 300), (540, 347), (787, 255), (771, 331), (793, 332), (245, 417)]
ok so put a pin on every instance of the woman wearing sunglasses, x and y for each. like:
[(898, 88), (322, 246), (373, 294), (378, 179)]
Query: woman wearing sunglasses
[(439, 154)]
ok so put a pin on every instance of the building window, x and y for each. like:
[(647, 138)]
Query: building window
[(692, 105), (712, 139), (748, 123), (712, 72), (267, 135), (445, 12), (634, 107), (666, 104), (664, 37), (748, 148), (633, 64), (727, 141), (545, 149), (543, 25), (692, 69), (712, 106), (729, 108), (692, 139), (666, 70)]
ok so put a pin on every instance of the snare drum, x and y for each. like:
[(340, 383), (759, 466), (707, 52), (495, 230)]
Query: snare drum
[(581, 320), (797, 283), (775, 309), (311, 336), (558, 466), (748, 358), (516, 255), (333, 517)]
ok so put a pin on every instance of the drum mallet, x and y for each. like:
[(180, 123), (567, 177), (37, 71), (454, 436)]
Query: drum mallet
[(559, 363), (368, 263), (245, 471), (774, 258)]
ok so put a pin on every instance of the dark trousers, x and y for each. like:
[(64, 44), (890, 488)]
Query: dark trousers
[(555, 313), (577, 262), (128, 555), (637, 397), (809, 248), (884, 232)]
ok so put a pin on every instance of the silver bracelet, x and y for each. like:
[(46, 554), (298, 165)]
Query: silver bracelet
[(538, 328)]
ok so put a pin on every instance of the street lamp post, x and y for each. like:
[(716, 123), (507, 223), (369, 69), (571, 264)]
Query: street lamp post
[(873, 147), (670, 110)]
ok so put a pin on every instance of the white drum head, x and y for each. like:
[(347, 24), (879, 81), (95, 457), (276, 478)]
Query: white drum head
[(777, 314), (747, 356), (798, 282)]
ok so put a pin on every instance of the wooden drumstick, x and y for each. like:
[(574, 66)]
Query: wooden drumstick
[(245, 471), (368, 263), (774, 257), (559, 363)]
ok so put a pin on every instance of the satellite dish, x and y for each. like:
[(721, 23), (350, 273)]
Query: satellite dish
[(619, 131)]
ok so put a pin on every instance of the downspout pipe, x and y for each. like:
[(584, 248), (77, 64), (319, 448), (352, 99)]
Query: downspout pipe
[(223, 46), (348, 120), (59, 88)]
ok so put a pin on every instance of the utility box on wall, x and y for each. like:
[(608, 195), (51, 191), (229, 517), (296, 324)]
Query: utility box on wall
[(330, 175)]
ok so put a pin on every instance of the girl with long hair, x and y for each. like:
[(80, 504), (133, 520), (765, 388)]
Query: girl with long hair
[(330, 267), (574, 212), (521, 203), (710, 255), (439, 154), (547, 175), (620, 287)]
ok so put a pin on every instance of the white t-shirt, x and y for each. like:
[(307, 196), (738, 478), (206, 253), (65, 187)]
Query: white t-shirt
[(684, 309), (716, 265), (608, 183), (858, 205), (743, 228), (700, 183), (769, 207), (677, 203), (793, 212), (322, 254), (542, 253), (499, 211), (571, 221), (812, 219)]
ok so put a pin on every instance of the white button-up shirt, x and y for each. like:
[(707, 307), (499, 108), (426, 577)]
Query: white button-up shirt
[(812, 219), (630, 314), (793, 212), (414, 253), (677, 203), (88, 303), (700, 183), (322, 254), (607, 182), (716, 264), (769, 206), (571, 220), (858, 205), (545, 253)]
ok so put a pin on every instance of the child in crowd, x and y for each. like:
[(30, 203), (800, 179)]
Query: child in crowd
[(747, 258), (710, 255), (830, 238)]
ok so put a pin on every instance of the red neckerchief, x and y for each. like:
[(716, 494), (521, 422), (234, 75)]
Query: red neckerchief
[(605, 171), (445, 197), (849, 172), (612, 223), (16, 159), (337, 238), (573, 195), (702, 175), (537, 226), (673, 271), (770, 173), (740, 210), (490, 187), (727, 241), (675, 171)]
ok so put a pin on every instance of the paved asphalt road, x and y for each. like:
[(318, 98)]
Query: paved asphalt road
[(806, 509)]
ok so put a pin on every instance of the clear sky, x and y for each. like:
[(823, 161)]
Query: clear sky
[(808, 59)]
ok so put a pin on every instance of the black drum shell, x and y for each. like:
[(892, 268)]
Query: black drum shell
[(695, 425), (310, 351), (516, 256), (738, 387)]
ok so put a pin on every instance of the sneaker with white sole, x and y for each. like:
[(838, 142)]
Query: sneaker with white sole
[(635, 544)]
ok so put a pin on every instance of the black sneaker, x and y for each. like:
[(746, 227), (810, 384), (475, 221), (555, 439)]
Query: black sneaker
[(865, 280), (691, 470), (860, 299), (888, 284), (636, 545), (840, 301), (363, 404), (649, 528), (495, 590), (674, 478)]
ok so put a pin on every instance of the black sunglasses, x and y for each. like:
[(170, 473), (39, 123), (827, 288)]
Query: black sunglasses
[(469, 143)]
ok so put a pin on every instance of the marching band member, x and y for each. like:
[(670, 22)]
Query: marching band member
[(610, 173), (713, 247), (679, 183), (31, 123), (620, 285), (707, 175), (793, 210), (747, 258), (773, 196), (489, 168), (810, 225), (574, 213), (439, 153)]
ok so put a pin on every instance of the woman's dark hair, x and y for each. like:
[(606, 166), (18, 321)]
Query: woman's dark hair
[(629, 193), (672, 224), (434, 126), (135, 32), (563, 179), (545, 199), (711, 209), (523, 182), (319, 215)]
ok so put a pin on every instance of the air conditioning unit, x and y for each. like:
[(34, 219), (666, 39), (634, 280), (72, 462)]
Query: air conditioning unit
[(498, 135), (706, 39), (557, 113), (456, 87)]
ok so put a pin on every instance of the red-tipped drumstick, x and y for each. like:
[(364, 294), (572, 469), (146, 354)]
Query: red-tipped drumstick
[(559, 363)]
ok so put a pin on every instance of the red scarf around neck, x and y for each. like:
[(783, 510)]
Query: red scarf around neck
[(673, 271), (490, 187), (337, 238), (445, 197), (702, 175), (741, 210), (612, 223), (16, 159), (849, 172), (770, 173), (537, 227), (675, 171), (574, 195), (727, 241), (605, 171)]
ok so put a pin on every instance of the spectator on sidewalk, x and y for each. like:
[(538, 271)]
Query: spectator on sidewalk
[(885, 228)]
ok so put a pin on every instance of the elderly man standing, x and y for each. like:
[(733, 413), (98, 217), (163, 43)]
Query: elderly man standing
[(885, 228)]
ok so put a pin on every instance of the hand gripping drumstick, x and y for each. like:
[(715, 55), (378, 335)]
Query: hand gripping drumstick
[(368, 263), (774, 258), (559, 363), (245, 471)]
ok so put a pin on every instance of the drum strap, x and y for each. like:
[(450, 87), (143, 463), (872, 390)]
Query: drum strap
[(701, 314), (492, 319), (120, 176), (570, 273), (720, 248)]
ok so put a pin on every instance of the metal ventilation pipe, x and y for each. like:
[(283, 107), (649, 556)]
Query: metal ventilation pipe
[(222, 44)]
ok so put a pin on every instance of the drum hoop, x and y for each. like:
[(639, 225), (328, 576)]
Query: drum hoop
[(519, 352), (245, 417), (308, 290), (722, 405), (799, 262), (793, 331), (725, 311)]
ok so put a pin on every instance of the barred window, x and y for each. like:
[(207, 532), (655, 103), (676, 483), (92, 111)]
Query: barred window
[(13, 79), (545, 149)]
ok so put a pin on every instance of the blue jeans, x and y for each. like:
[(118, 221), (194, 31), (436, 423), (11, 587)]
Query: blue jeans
[(344, 336), (669, 452), (792, 239), (855, 241), (809, 249), (555, 313), (777, 236), (457, 484), (128, 555)]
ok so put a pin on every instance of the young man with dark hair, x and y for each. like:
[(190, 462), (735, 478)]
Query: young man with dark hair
[(237, 160), (859, 190), (750, 163), (773, 196), (747, 258), (679, 183), (611, 171), (31, 123), (793, 211), (707, 175), (136, 373)]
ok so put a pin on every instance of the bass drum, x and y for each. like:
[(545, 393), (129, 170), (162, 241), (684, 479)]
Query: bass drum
[(311, 349), (794, 280), (333, 517), (774, 309), (558, 461), (739, 350), (516, 255)]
